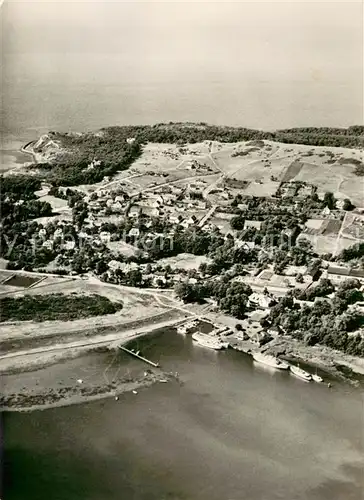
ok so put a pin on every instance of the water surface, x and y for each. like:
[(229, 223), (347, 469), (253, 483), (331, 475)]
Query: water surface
[(232, 430)]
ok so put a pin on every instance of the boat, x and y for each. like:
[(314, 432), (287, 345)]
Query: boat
[(268, 360), (206, 340), (296, 370), (317, 378)]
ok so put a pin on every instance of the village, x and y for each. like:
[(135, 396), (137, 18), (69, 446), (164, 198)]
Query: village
[(184, 221)]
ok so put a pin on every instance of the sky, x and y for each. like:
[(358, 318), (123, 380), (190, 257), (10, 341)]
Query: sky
[(159, 40), (306, 57)]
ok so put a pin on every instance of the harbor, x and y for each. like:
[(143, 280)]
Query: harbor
[(222, 337)]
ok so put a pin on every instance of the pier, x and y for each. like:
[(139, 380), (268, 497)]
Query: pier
[(132, 353)]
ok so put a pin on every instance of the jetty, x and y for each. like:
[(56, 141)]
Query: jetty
[(136, 355)]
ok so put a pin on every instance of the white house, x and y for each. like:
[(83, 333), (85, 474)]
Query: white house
[(134, 232), (259, 300), (115, 264), (69, 245), (105, 236), (48, 244), (175, 219)]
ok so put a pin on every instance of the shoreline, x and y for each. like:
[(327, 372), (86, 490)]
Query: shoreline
[(335, 364), (320, 357), (24, 149)]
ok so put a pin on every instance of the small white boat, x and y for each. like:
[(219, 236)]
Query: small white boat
[(317, 378), (296, 370)]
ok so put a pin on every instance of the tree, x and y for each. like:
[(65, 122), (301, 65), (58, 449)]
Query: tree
[(347, 205), (299, 278), (329, 200)]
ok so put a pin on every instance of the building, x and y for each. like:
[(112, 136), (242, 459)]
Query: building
[(257, 224), (48, 244), (175, 219), (134, 211), (105, 236), (338, 274), (260, 300), (134, 232)]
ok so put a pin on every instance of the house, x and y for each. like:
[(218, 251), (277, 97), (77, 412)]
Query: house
[(260, 338), (209, 227), (243, 206), (58, 233), (175, 219), (48, 244), (42, 233), (105, 236), (291, 233), (176, 190), (257, 224), (69, 245), (247, 245), (201, 205), (117, 207), (115, 264), (190, 221), (274, 331), (326, 212), (134, 232), (134, 211), (260, 300)]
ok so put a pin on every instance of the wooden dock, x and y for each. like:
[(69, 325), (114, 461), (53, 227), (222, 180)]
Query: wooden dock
[(132, 353)]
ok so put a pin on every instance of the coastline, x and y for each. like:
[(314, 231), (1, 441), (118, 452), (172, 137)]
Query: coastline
[(25, 149)]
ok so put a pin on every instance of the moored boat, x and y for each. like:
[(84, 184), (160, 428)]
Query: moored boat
[(206, 340), (296, 370), (268, 360), (317, 378)]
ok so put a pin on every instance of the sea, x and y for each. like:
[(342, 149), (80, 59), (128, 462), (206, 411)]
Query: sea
[(228, 429), (32, 108)]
